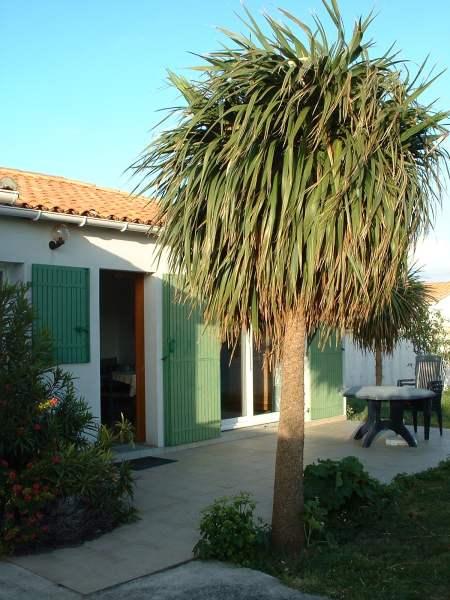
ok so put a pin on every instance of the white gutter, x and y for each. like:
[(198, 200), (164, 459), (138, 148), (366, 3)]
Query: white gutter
[(81, 221), (8, 196)]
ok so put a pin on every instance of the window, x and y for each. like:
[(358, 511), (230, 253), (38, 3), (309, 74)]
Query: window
[(61, 302)]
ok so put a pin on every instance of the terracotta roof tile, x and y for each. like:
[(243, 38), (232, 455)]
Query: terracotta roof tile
[(61, 195), (439, 290)]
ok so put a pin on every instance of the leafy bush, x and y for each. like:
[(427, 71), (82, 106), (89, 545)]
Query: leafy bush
[(338, 495), (342, 485), (52, 453), (230, 532)]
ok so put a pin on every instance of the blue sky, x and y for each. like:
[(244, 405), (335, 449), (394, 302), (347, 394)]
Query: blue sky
[(82, 80)]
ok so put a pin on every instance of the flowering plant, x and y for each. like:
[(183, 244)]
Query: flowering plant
[(48, 448)]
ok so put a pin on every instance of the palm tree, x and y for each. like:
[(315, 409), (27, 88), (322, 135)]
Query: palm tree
[(395, 319), (294, 179)]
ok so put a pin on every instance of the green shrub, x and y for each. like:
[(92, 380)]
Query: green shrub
[(53, 457), (230, 532), (345, 491)]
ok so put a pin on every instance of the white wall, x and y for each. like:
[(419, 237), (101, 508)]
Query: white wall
[(444, 307), (359, 366), (24, 243)]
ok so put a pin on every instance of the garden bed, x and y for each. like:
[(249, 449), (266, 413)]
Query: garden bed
[(403, 555)]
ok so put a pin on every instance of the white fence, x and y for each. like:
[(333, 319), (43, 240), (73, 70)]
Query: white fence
[(359, 367)]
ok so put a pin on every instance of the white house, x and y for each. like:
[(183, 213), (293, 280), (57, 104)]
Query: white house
[(90, 255)]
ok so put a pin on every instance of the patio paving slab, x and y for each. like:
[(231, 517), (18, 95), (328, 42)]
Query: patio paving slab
[(170, 498), (17, 583)]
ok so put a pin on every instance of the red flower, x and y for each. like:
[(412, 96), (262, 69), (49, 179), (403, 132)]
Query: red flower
[(53, 401), (28, 498), (56, 459), (3, 462), (12, 475), (44, 528), (37, 426), (30, 465), (36, 487), (16, 488)]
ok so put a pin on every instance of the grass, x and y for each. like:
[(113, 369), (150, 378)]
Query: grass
[(358, 411), (402, 555)]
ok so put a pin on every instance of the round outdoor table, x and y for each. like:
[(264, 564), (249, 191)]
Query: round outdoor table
[(398, 398)]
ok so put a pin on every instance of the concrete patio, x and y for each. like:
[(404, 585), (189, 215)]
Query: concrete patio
[(170, 498)]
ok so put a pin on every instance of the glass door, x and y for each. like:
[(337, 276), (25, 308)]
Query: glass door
[(266, 381), (231, 382)]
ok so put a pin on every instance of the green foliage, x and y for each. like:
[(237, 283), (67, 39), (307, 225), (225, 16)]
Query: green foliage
[(402, 554), (397, 317), (299, 170), (229, 531), (339, 497), (314, 519), (342, 486), (24, 496), (430, 334), (48, 450)]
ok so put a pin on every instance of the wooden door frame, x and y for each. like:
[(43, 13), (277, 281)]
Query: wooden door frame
[(139, 340)]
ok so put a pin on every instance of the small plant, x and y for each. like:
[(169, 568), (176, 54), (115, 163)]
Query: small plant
[(121, 433), (314, 519), (124, 431), (230, 532)]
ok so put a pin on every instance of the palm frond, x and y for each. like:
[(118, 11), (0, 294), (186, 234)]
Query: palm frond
[(300, 172)]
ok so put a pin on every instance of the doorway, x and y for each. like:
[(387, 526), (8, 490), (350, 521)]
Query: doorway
[(266, 384), (231, 382), (122, 360)]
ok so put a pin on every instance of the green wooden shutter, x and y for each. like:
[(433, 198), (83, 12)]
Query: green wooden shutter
[(191, 372), (326, 379), (61, 302)]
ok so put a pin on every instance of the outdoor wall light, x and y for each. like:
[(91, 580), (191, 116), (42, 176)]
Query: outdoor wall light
[(60, 235)]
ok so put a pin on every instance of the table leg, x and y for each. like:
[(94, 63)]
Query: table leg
[(364, 427), (397, 425), (427, 406), (362, 430), (375, 425)]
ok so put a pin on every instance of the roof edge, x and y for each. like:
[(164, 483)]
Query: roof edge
[(35, 215)]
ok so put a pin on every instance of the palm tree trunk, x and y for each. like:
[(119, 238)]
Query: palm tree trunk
[(378, 367), (287, 525)]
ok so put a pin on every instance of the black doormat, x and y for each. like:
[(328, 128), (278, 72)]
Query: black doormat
[(147, 462)]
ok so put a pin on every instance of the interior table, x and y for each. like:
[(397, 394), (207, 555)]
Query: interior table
[(398, 398), (127, 377)]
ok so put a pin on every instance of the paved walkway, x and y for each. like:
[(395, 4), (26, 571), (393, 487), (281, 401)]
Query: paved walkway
[(194, 581), (170, 498)]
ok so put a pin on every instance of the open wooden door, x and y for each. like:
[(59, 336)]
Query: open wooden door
[(139, 331)]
